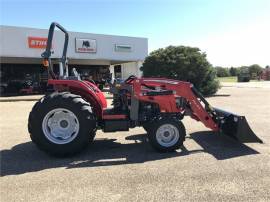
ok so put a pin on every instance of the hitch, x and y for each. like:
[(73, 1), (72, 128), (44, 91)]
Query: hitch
[(236, 127)]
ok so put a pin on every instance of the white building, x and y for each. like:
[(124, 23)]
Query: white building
[(122, 55)]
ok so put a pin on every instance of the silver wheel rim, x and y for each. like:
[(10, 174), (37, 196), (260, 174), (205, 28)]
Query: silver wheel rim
[(60, 126), (167, 135)]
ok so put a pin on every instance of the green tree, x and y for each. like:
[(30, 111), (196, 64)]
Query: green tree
[(255, 70), (234, 71), (222, 72), (182, 63)]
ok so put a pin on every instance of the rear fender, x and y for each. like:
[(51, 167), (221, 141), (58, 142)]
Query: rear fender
[(99, 94), (87, 90)]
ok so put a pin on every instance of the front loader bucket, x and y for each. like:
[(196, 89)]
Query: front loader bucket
[(236, 127)]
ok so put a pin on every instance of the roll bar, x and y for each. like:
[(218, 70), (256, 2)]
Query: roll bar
[(47, 54)]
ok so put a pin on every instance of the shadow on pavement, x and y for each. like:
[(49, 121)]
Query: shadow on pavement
[(25, 157), (221, 146)]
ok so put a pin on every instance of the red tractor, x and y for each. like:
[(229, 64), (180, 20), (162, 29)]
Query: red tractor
[(64, 122)]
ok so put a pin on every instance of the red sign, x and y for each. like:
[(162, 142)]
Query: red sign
[(37, 42)]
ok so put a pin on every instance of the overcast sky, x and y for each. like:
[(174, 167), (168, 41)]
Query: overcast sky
[(231, 32)]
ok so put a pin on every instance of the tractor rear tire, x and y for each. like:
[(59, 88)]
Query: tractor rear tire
[(166, 135), (62, 124)]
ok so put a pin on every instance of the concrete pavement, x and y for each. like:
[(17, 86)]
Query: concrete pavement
[(123, 167)]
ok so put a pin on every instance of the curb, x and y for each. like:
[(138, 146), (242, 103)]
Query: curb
[(18, 100)]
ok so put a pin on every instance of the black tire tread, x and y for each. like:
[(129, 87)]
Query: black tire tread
[(80, 107), (151, 132)]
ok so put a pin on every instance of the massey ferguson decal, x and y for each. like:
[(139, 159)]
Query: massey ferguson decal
[(85, 45), (37, 42)]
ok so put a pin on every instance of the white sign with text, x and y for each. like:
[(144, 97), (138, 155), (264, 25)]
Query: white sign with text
[(85, 45)]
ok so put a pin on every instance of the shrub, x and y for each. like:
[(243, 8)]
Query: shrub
[(222, 72), (182, 63)]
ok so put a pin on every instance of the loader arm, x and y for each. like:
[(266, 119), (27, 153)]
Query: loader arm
[(197, 107)]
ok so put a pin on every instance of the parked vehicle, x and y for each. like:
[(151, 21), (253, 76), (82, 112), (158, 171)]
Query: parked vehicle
[(66, 121), (243, 75)]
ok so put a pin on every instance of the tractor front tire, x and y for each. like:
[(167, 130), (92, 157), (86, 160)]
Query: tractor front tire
[(166, 135), (62, 124)]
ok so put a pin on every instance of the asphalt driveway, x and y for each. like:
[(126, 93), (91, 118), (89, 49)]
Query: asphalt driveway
[(122, 166)]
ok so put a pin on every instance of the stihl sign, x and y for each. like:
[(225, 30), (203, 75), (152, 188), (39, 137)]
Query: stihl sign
[(37, 42)]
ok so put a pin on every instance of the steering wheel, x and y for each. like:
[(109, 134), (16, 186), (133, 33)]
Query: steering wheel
[(130, 78)]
